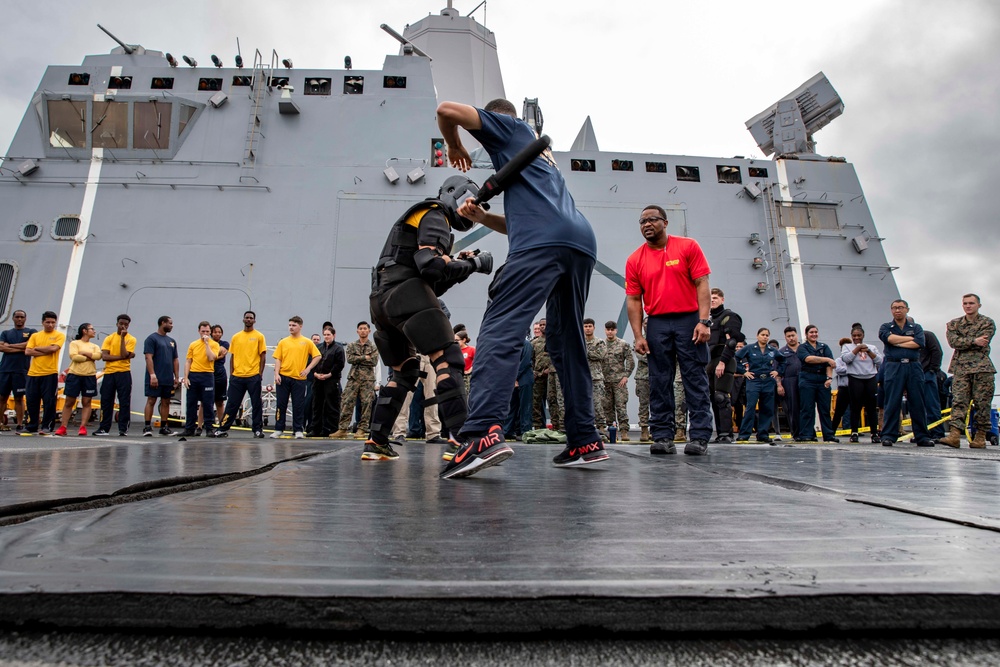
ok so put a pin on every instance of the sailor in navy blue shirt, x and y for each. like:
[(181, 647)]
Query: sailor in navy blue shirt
[(815, 378), (903, 340), (15, 363), (760, 384)]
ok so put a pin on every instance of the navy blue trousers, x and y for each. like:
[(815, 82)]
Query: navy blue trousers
[(669, 338), (932, 404), (760, 394), (121, 384), (897, 378), (41, 390), (296, 389), (237, 387), (202, 390), (519, 418), (559, 279), (813, 395)]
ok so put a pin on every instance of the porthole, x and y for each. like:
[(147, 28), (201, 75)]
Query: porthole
[(66, 227), (30, 231)]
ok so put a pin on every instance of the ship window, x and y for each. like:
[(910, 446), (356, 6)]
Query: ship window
[(68, 123), (187, 111), (120, 82), (242, 80), (110, 129), (728, 173), (79, 79), (8, 276), (354, 85), (621, 165), (656, 167), (209, 84), (151, 125), (66, 227), (394, 82), (317, 86), (808, 216), (162, 83), (688, 174), (758, 172), (582, 165), (30, 231)]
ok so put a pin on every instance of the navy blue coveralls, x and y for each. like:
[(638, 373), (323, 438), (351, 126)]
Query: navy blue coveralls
[(760, 389), (813, 392), (903, 371), (788, 371)]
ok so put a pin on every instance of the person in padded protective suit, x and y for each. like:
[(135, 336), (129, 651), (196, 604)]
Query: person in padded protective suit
[(726, 331), (413, 270)]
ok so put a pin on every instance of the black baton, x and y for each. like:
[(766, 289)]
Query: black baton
[(499, 181)]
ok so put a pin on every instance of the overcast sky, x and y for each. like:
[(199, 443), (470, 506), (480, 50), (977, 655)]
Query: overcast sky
[(919, 79)]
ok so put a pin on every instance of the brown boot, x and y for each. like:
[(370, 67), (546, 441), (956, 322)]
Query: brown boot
[(979, 442), (623, 436), (681, 435), (340, 435), (644, 436), (953, 439)]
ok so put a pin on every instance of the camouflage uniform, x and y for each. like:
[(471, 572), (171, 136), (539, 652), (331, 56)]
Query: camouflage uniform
[(973, 370), (360, 383), (642, 391), (546, 386), (595, 356), (618, 363), (680, 403)]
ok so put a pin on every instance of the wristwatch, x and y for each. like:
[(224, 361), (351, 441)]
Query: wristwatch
[(706, 322)]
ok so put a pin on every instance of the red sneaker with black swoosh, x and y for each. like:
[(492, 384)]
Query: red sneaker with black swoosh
[(478, 453), (581, 455)]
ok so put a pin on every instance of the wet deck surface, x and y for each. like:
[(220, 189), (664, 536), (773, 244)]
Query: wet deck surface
[(309, 536)]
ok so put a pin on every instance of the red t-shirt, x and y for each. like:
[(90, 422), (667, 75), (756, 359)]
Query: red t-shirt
[(665, 278), (469, 353)]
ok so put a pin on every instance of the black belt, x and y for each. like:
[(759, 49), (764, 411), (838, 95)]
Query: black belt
[(901, 361)]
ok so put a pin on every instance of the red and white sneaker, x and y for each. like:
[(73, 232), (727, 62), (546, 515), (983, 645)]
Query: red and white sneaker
[(59, 431), (82, 431), (478, 453), (581, 455)]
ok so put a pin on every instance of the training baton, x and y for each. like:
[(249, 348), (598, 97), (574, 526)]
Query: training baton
[(499, 181)]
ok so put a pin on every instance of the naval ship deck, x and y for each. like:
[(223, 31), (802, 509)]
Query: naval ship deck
[(300, 535)]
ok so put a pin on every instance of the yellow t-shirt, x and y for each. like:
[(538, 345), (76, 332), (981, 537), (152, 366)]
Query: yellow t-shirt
[(294, 354), (48, 364), (199, 360), (86, 367), (245, 349), (113, 345)]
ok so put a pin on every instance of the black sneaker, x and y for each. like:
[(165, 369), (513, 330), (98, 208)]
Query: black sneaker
[(478, 453), (98, 432), (376, 452), (147, 432), (724, 439), (258, 434), (854, 438), (876, 438), (436, 440), (165, 431), (453, 447), (581, 455), (197, 431), (220, 434), (188, 433), (766, 440), (210, 432), (696, 448), (887, 443), (662, 448), (831, 439), (122, 434)]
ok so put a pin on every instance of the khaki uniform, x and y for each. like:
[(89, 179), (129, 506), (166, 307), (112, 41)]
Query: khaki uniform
[(596, 351), (546, 387), (618, 363), (974, 372), (360, 384)]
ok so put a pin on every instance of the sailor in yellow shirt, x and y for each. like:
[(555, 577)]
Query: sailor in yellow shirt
[(117, 351), (294, 357), (199, 378), (247, 352), (43, 376), (81, 378)]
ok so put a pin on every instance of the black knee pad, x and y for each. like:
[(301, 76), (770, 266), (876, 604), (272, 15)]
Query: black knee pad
[(429, 330), (449, 393), (391, 398), (720, 399), (393, 347)]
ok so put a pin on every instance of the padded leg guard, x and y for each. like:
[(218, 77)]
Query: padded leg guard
[(391, 398), (449, 394)]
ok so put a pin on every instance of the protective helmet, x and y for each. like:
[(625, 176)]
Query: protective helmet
[(454, 191)]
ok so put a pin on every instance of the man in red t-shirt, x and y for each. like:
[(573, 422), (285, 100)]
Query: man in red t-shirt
[(468, 353), (668, 278)]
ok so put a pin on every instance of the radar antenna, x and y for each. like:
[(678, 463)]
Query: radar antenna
[(129, 48), (787, 127)]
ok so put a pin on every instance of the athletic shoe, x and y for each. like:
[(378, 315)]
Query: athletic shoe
[(277, 434), (724, 439), (887, 443), (662, 448), (299, 435), (436, 440), (831, 439), (766, 440), (82, 431), (209, 432), (163, 431), (376, 452), (854, 438), (101, 432), (258, 434), (220, 434), (147, 431), (61, 431), (122, 434), (875, 438), (592, 452), (696, 448), (453, 447), (477, 453), (186, 433), (197, 431), (20, 428)]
